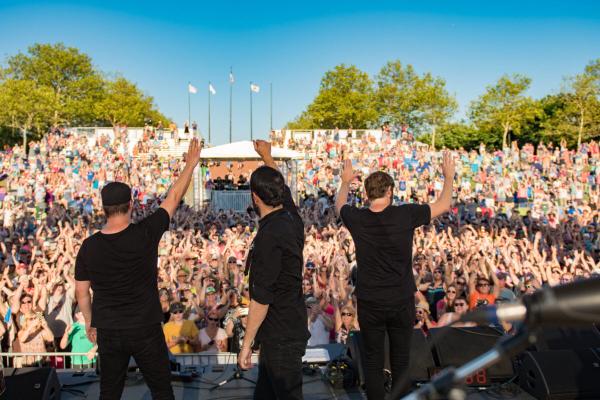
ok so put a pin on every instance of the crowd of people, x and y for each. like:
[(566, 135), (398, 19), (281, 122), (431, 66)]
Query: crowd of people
[(522, 218)]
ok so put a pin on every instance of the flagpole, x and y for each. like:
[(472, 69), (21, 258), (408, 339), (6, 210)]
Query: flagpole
[(251, 132), (189, 107), (208, 111), (271, 105), (230, 100)]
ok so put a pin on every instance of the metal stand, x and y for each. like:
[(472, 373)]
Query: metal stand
[(450, 379), (237, 375)]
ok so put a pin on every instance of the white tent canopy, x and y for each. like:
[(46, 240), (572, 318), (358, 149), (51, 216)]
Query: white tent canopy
[(244, 150)]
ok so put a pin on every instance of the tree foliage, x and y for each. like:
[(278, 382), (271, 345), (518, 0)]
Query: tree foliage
[(124, 103), (504, 107), (397, 99), (345, 100), (52, 84)]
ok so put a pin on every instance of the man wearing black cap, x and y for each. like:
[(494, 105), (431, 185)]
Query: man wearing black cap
[(277, 316), (119, 263)]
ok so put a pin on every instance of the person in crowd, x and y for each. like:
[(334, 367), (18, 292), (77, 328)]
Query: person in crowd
[(235, 328), (181, 334), (76, 336), (481, 292), (345, 322), (213, 337), (423, 318), (447, 303), (319, 323), (461, 307)]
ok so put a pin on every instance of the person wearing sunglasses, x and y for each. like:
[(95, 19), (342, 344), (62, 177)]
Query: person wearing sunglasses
[(181, 334), (33, 334), (345, 321), (447, 303), (461, 307), (213, 337), (481, 292), (383, 235)]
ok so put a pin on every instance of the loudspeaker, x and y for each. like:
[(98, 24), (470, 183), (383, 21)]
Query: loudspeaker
[(421, 359), (32, 383), (457, 346), (561, 374), (568, 338)]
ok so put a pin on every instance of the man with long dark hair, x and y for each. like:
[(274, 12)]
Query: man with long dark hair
[(385, 288), (277, 318), (119, 264)]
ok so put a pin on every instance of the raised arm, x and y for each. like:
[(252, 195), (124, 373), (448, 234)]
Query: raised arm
[(179, 188), (444, 201), (347, 178), (263, 148), (84, 300)]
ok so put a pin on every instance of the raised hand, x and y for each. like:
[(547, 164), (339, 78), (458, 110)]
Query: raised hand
[(448, 166), (192, 157), (263, 148), (348, 174)]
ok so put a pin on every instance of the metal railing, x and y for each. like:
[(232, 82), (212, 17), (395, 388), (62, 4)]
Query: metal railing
[(64, 360), (54, 359)]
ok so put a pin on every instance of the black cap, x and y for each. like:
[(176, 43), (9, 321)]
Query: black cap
[(177, 306), (115, 193)]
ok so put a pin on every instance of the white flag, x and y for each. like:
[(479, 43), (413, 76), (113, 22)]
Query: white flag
[(255, 88), (231, 78), (211, 89), (192, 89)]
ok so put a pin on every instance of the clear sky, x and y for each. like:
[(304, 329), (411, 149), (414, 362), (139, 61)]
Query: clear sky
[(161, 45)]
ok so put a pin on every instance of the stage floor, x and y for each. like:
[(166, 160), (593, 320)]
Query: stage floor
[(77, 386)]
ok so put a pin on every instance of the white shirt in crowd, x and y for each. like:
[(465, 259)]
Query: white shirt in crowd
[(319, 334)]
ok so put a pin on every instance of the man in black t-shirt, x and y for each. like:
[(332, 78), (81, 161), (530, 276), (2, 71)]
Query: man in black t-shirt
[(277, 317), (119, 263), (385, 287)]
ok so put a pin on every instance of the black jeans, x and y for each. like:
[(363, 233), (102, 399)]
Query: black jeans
[(398, 321), (148, 347), (280, 371)]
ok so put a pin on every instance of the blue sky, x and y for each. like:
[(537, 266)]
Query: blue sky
[(163, 45)]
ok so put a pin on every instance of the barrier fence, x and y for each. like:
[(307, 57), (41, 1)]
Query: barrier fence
[(64, 360)]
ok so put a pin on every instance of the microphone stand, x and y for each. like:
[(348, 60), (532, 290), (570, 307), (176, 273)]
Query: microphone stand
[(238, 374), (441, 386)]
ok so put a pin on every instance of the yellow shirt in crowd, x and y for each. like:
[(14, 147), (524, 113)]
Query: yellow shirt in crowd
[(187, 330)]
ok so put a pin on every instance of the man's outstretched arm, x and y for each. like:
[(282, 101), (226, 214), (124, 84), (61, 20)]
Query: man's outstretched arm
[(342, 195), (263, 148), (180, 187), (443, 203)]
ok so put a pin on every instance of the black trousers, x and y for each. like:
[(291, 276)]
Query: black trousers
[(280, 371), (398, 321), (148, 347)]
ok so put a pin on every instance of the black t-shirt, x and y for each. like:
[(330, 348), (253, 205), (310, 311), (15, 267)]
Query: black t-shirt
[(122, 270), (383, 242), (275, 266)]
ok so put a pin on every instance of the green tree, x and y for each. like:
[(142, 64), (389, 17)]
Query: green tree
[(582, 101), (124, 103), (455, 135), (505, 106), (26, 107), (435, 103), (397, 97), (345, 100), (67, 72)]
